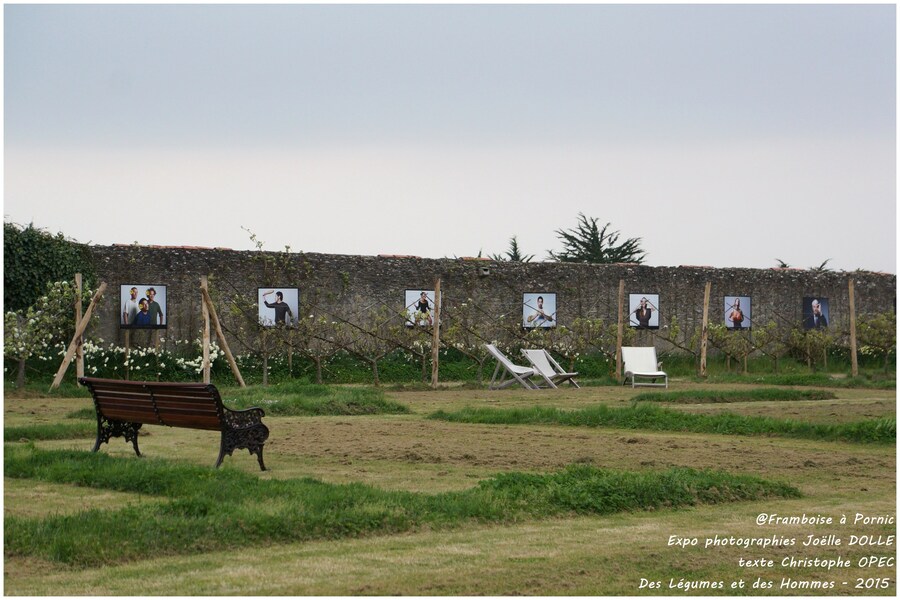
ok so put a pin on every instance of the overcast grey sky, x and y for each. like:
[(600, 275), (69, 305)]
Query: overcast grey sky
[(721, 135)]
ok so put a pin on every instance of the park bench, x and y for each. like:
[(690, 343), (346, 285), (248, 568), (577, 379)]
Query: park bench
[(124, 406)]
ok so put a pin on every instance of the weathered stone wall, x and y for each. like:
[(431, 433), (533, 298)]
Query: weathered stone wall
[(343, 285)]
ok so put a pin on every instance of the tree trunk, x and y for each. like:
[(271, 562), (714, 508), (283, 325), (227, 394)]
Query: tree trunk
[(265, 369), (291, 364), (745, 364), (20, 376), (318, 361), (424, 368), (375, 371)]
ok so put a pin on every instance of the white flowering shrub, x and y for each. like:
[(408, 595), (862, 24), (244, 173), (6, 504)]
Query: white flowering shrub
[(33, 332)]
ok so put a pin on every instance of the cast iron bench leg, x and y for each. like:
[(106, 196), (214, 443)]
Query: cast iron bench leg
[(221, 451)]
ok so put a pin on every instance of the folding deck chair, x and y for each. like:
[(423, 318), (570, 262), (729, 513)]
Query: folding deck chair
[(545, 366), (518, 374), (641, 362)]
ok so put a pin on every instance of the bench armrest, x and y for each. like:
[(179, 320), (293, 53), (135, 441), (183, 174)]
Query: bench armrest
[(244, 418)]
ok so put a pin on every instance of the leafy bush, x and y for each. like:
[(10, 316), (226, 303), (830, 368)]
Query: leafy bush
[(33, 258)]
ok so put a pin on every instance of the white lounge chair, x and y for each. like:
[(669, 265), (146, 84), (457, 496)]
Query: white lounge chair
[(545, 366), (640, 362), (516, 373)]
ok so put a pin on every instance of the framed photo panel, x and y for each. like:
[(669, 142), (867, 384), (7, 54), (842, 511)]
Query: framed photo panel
[(278, 306), (643, 311), (419, 308), (815, 313), (737, 312), (538, 310), (143, 306)]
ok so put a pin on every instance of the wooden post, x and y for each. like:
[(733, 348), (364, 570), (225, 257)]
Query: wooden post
[(704, 329), (620, 331), (79, 331), (221, 336), (79, 348), (854, 363), (436, 336), (127, 352), (204, 283)]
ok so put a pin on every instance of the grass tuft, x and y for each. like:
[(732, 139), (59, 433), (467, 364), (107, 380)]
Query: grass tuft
[(651, 417), (291, 398), (54, 431), (876, 382), (750, 395)]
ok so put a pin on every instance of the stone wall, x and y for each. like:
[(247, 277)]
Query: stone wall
[(345, 285)]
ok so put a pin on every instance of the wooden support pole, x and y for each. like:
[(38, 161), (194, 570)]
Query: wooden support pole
[(704, 329), (221, 336), (79, 331), (854, 363), (204, 283), (620, 331), (79, 347), (127, 354), (436, 336)]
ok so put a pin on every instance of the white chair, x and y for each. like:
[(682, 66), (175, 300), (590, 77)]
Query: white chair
[(516, 373), (545, 366), (641, 363)]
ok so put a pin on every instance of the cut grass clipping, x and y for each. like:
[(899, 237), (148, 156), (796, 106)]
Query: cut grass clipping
[(300, 399), (754, 395), (201, 509), (651, 417)]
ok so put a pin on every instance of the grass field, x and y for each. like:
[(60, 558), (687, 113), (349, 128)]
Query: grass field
[(435, 507)]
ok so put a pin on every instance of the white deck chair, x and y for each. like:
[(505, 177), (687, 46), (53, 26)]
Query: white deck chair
[(641, 363), (545, 366), (518, 374)]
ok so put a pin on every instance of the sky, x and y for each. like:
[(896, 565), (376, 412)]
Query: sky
[(721, 135)]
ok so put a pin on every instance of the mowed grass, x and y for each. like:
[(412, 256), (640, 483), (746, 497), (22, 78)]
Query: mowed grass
[(646, 416), (571, 553), (49, 431), (207, 510), (725, 396)]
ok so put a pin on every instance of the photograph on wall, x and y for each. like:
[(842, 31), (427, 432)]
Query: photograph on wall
[(142, 306), (419, 307), (737, 312), (538, 310), (643, 311), (278, 306), (815, 313)]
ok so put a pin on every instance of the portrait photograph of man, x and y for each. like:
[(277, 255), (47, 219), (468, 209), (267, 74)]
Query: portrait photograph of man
[(815, 313), (737, 312), (278, 306), (538, 310)]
